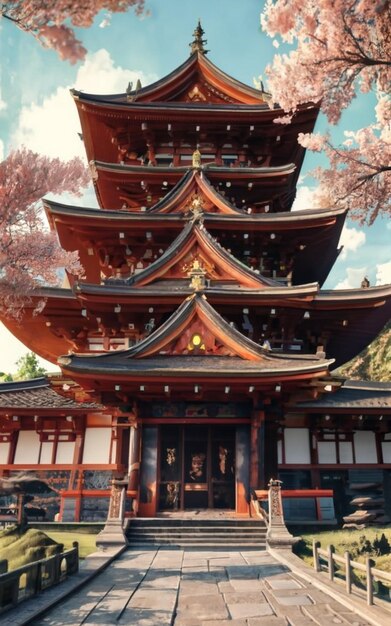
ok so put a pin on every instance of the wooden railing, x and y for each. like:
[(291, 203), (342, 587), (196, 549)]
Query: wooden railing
[(330, 559), (29, 580), (317, 496)]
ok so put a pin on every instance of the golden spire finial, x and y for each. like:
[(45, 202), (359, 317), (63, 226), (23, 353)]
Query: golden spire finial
[(197, 45), (196, 159)]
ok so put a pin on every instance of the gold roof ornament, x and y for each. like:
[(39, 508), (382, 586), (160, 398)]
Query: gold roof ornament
[(196, 272), (197, 208), (197, 45), (197, 159)]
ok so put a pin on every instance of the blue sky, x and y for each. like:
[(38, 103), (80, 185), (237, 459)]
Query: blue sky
[(36, 109)]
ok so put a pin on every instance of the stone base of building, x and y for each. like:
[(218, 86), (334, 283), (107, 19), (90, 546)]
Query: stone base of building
[(112, 535)]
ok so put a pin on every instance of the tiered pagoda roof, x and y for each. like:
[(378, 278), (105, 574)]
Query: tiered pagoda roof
[(193, 175), (306, 235), (194, 341)]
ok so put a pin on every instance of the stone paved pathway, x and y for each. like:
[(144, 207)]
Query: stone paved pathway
[(181, 587)]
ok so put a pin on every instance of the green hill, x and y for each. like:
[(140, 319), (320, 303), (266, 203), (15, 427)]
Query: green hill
[(373, 363)]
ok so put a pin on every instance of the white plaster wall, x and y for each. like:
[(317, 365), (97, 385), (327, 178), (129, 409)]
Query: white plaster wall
[(65, 450), (4, 452), (97, 445), (365, 446), (345, 452), (297, 445), (327, 452), (46, 452), (113, 451), (386, 449), (279, 452), (28, 446)]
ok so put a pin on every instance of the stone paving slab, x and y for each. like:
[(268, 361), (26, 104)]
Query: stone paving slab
[(270, 620), (285, 583), (163, 587), (251, 596), (249, 609)]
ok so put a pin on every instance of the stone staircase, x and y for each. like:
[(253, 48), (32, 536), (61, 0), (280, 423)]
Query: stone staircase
[(197, 533)]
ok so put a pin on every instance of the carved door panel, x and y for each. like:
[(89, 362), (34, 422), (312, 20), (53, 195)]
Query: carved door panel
[(196, 467)]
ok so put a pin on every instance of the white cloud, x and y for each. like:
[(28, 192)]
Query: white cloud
[(1, 150), (383, 273), (351, 239), (304, 198), (12, 349), (353, 278), (3, 104), (51, 127)]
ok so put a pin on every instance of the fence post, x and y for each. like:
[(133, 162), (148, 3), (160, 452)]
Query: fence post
[(348, 573), (331, 564), (315, 546), (369, 563)]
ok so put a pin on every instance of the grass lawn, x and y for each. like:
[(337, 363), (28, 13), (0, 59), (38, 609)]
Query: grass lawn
[(342, 540), (86, 541), (21, 548)]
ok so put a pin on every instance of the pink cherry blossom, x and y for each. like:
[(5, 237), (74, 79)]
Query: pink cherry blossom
[(44, 19), (341, 46), (30, 255)]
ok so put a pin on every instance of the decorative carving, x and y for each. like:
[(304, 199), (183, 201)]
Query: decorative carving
[(196, 94), (196, 272), (117, 498), (277, 534), (171, 456), (115, 501), (172, 495), (197, 207), (275, 500)]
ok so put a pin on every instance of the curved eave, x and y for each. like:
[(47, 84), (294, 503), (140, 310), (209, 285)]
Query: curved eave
[(230, 172), (367, 297), (368, 396), (307, 218), (176, 81), (123, 292), (139, 370), (35, 333)]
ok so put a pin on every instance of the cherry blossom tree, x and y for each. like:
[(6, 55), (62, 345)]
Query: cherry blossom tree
[(342, 46), (48, 20), (30, 256)]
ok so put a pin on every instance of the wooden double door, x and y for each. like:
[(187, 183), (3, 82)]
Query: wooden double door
[(196, 467)]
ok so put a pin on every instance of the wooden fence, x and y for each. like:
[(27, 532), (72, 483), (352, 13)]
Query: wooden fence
[(331, 559), (29, 580)]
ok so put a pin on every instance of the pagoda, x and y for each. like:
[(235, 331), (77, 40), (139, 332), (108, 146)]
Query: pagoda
[(200, 341)]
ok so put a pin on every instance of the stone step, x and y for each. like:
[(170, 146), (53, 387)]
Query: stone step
[(196, 529), (179, 537), (226, 523), (256, 545), (202, 533)]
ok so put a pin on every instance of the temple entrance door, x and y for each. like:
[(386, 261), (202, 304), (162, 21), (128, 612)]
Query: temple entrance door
[(197, 467)]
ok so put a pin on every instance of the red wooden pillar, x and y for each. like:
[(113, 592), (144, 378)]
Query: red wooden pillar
[(134, 465), (257, 449)]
